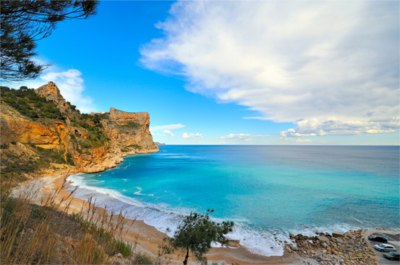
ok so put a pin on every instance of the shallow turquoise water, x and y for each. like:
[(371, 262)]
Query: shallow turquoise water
[(268, 191)]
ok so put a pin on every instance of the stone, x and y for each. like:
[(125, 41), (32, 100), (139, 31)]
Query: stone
[(336, 234), (323, 239)]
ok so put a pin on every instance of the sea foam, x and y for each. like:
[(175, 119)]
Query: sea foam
[(261, 242)]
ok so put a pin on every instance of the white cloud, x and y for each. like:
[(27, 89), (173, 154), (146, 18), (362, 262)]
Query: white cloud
[(314, 127), (186, 135), (167, 127), (70, 83), (71, 86), (330, 67), (242, 136), (237, 136), (166, 130)]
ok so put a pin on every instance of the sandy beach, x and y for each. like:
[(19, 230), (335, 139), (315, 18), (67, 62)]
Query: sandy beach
[(147, 240)]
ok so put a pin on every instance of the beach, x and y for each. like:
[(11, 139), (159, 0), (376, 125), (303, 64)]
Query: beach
[(147, 240)]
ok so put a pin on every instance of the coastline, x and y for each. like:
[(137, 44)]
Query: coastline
[(144, 237), (147, 239)]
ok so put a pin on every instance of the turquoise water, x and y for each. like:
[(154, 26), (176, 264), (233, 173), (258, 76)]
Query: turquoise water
[(268, 191)]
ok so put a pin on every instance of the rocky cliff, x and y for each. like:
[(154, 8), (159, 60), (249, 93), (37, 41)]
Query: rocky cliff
[(39, 129)]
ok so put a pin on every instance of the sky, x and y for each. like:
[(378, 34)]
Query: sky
[(236, 72)]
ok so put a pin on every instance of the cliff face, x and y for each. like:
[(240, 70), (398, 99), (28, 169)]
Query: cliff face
[(130, 132), (50, 92), (41, 126), (17, 128)]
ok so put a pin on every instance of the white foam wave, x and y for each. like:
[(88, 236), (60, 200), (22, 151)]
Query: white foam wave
[(139, 192), (314, 231), (161, 217), (86, 191)]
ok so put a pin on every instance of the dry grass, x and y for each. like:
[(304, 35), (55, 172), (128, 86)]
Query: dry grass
[(47, 234)]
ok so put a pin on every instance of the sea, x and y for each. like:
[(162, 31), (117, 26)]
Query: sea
[(269, 192)]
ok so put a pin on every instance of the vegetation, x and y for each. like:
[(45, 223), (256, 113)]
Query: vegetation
[(131, 148), (44, 234), (132, 125), (29, 104), (197, 232), (47, 156), (15, 167), (23, 23), (92, 124), (106, 238), (141, 259), (33, 234)]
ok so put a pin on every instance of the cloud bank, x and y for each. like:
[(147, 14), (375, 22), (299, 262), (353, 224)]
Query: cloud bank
[(329, 67)]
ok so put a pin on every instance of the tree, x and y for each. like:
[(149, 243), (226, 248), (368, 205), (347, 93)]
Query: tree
[(197, 232), (24, 22)]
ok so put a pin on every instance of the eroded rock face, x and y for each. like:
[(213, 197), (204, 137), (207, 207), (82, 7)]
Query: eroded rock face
[(51, 93), (17, 128), (128, 133)]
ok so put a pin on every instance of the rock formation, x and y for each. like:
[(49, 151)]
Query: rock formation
[(326, 249), (33, 121), (130, 131)]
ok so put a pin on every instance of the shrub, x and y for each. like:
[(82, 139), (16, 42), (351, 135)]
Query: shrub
[(119, 246), (197, 232), (29, 104), (141, 259)]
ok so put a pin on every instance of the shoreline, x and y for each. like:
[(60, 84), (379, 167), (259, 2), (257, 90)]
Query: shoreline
[(144, 237), (147, 238)]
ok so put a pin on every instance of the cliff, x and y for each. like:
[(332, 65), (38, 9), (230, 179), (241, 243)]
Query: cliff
[(41, 130)]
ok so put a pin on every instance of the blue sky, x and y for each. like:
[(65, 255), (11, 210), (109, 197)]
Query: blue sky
[(242, 72)]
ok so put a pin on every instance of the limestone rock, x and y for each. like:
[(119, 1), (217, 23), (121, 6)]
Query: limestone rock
[(51, 93), (130, 132), (92, 142)]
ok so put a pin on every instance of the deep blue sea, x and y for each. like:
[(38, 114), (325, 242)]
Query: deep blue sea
[(268, 191)]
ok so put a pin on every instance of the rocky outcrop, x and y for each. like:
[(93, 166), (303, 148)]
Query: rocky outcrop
[(130, 132), (51, 93), (92, 142), (338, 248)]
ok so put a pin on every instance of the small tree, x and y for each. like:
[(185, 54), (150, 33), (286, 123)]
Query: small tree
[(197, 232)]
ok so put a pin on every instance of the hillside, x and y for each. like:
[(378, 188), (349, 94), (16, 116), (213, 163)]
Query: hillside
[(42, 132)]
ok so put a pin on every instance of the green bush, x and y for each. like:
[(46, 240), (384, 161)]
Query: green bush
[(141, 259), (29, 104), (119, 246), (96, 138), (112, 245), (38, 212), (132, 125)]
